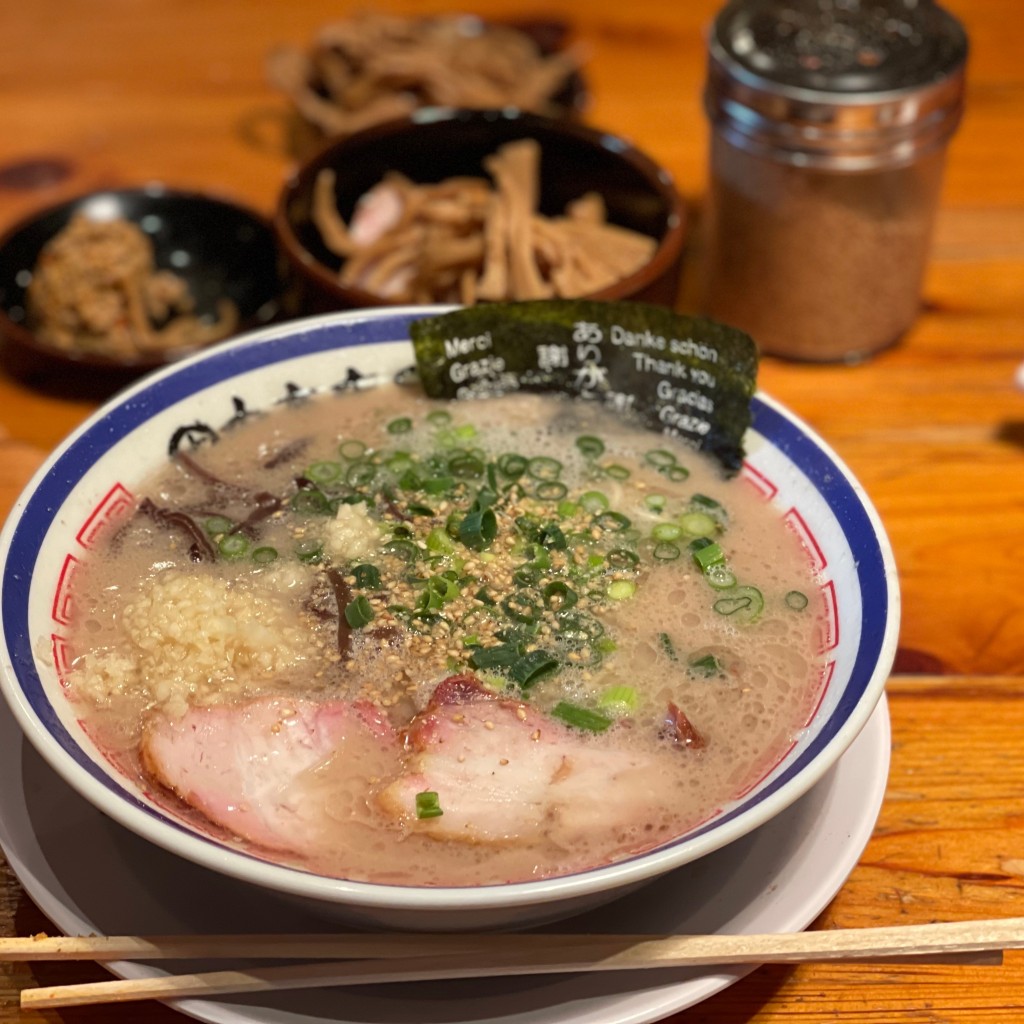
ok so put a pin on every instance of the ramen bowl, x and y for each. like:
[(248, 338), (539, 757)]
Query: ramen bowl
[(88, 488), (435, 145)]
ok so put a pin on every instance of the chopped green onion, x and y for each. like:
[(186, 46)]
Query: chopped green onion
[(478, 528), (743, 603), (464, 465), (499, 657), (708, 555), (520, 608), (358, 612), (621, 590), (666, 551), (215, 525), (367, 576), (428, 805), (351, 450), (559, 596), (698, 524), (665, 642), (705, 665), (527, 575), (615, 521), (311, 501), (326, 472), (402, 425), (439, 542), (406, 550), (659, 458), (361, 474), (550, 490), (590, 447), (567, 509), (622, 558), (797, 600), (616, 472), (655, 502), (667, 531), (538, 554), (438, 484), (619, 700), (532, 667), (309, 551), (234, 545), (512, 466), (543, 467), (677, 474), (439, 417), (709, 505), (399, 462), (263, 555), (594, 501), (580, 718)]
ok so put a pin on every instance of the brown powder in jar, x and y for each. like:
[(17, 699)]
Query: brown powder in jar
[(817, 265)]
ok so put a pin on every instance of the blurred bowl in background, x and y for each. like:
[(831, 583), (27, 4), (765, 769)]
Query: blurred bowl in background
[(369, 68), (437, 144), (219, 249)]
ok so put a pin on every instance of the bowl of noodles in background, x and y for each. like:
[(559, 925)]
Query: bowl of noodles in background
[(371, 67), (91, 495), (101, 288), (456, 205)]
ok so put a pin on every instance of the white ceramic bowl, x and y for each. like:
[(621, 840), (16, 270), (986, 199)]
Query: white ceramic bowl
[(88, 481)]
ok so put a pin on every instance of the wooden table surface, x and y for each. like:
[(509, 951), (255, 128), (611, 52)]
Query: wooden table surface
[(98, 93)]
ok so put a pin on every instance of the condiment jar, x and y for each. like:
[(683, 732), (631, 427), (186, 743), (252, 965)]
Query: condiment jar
[(830, 120)]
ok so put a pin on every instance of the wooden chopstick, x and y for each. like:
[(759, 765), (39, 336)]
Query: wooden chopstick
[(499, 955)]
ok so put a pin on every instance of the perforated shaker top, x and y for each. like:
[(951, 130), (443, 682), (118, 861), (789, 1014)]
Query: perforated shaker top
[(844, 46)]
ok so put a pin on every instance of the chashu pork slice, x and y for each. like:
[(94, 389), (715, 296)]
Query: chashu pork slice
[(505, 773), (245, 765)]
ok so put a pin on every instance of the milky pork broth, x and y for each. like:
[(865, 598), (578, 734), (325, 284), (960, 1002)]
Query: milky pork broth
[(411, 642)]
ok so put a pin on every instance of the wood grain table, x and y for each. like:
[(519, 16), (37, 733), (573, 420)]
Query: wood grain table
[(97, 93)]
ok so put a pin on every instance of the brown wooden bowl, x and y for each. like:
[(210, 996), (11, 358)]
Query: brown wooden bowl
[(435, 144)]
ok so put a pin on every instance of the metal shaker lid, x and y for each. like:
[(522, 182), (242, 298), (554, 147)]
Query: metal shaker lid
[(836, 83)]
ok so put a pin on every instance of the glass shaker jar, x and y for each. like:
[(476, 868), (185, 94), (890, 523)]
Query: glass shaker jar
[(829, 122)]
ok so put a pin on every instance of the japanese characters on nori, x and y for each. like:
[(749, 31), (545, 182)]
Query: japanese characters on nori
[(688, 377)]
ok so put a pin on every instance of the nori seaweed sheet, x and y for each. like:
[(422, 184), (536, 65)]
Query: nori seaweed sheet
[(684, 376)]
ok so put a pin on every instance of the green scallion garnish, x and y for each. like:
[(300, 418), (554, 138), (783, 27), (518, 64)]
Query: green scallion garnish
[(797, 600), (401, 425), (580, 718), (559, 596), (367, 576), (311, 501), (352, 449), (543, 467), (215, 525), (233, 546), (359, 612), (744, 604), (531, 668), (264, 555), (511, 465), (325, 472), (428, 805), (590, 447)]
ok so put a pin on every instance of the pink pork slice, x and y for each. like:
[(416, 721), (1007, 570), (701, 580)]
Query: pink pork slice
[(241, 764), (504, 773)]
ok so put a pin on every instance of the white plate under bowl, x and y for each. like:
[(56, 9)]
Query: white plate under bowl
[(88, 874)]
